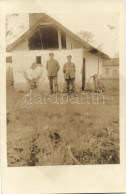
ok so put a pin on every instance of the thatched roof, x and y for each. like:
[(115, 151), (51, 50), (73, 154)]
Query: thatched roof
[(34, 28)]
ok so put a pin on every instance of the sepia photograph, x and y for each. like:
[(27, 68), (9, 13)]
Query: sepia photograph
[(62, 96), (62, 88)]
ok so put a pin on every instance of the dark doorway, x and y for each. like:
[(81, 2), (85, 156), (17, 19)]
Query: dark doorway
[(83, 75)]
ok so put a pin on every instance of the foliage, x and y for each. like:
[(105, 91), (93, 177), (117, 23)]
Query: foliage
[(89, 37)]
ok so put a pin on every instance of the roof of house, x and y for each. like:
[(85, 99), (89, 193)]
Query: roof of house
[(111, 62), (34, 28)]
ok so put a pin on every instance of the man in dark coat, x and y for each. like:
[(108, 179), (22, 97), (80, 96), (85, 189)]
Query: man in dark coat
[(69, 74), (52, 67)]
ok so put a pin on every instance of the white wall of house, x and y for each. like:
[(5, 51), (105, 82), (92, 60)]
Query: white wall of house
[(92, 64), (22, 60), (110, 71)]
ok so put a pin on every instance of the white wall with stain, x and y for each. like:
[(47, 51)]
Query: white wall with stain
[(22, 60), (91, 68), (91, 62)]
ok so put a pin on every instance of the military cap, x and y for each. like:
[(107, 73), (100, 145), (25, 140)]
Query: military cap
[(69, 56), (51, 54)]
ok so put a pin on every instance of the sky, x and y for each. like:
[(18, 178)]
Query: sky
[(97, 23)]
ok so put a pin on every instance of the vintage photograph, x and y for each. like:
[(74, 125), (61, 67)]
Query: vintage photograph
[(62, 89)]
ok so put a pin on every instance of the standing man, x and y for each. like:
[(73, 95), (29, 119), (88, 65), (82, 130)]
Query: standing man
[(52, 68), (69, 74)]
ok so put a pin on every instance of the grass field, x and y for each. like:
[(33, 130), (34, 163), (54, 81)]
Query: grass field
[(63, 134)]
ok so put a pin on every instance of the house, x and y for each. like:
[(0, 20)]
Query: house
[(46, 35), (111, 68)]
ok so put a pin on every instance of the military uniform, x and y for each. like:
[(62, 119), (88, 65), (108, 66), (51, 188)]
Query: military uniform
[(52, 67), (69, 75)]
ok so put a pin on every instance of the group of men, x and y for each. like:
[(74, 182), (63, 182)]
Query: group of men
[(53, 67)]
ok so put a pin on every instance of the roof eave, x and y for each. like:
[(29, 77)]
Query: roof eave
[(81, 41)]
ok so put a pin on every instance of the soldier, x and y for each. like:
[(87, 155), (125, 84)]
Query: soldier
[(52, 68), (69, 74)]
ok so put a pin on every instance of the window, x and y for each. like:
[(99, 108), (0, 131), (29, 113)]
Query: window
[(107, 71), (38, 59)]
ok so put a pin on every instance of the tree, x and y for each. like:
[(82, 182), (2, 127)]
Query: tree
[(13, 27), (89, 37), (9, 17), (99, 47)]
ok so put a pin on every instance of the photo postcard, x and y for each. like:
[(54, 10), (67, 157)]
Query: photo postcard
[(62, 96)]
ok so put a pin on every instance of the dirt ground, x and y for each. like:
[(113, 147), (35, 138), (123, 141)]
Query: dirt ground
[(63, 134)]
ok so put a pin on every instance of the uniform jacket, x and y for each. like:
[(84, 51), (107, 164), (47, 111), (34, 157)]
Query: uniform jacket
[(52, 67), (69, 70)]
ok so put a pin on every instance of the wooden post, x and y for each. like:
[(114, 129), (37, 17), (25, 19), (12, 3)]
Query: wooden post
[(83, 75), (59, 39), (41, 38)]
